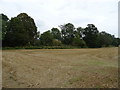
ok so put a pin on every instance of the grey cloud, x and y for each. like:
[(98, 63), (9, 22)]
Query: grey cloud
[(51, 13)]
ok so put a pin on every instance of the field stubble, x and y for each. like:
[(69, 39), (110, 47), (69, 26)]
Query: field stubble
[(60, 68)]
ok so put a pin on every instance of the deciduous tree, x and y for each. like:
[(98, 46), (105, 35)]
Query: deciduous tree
[(21, 31), (67, 33)]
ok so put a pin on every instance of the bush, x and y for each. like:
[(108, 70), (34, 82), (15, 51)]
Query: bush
[(41, 47), (79, 42), (57, 42)]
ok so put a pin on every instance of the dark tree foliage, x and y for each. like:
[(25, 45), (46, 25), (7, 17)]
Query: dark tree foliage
[(116, 42), (78, 42), (67, 33), (21, 31), (37, 40), (46, 39), (3, 25), (4, 17), (91, 36), (56, 33), (80, 31), (106, 39), (78, 38)]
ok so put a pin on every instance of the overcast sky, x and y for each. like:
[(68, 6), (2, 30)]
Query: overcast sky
[(52, 13)]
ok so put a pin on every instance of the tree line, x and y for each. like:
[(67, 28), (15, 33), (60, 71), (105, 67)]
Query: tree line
[(22, 31)]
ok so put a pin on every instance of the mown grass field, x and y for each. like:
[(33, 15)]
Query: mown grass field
[(60, 68)]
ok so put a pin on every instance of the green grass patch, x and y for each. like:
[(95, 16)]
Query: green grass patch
[(95, 62)]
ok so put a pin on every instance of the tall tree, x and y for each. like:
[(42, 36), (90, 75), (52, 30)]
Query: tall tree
[(56, 33), (78, 38), (91, 35), (3, 25), (21, 31), (67, 33), (80, 32), (105, 39), (46, 38)]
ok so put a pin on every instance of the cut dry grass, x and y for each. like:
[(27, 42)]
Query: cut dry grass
[(55, 68)]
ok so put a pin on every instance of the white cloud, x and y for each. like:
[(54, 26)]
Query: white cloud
[(50, 13)]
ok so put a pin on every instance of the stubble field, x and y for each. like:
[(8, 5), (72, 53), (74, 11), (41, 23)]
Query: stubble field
[(60, 68)]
